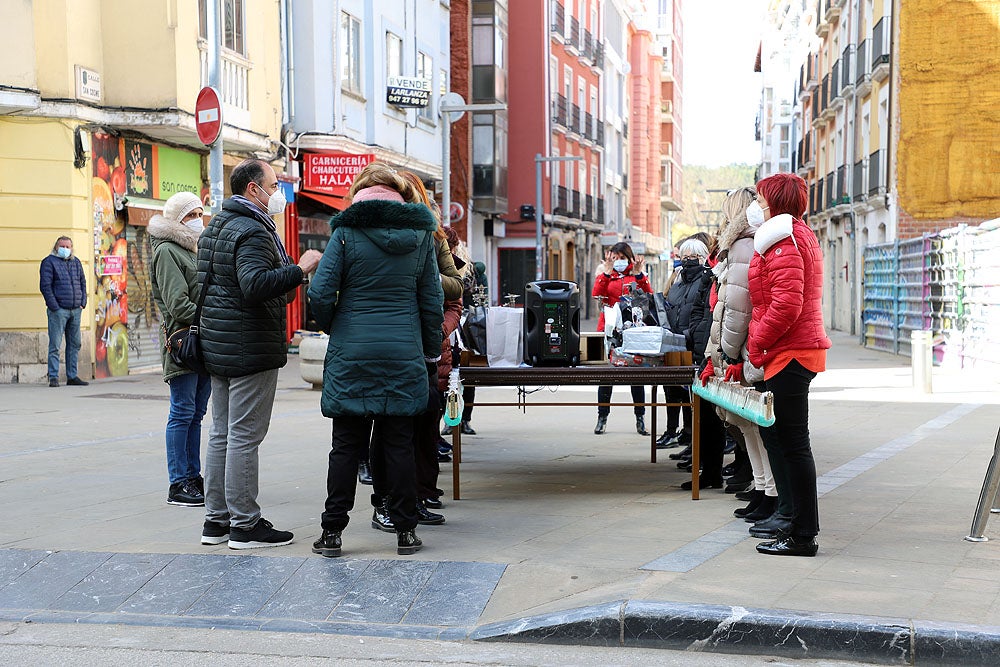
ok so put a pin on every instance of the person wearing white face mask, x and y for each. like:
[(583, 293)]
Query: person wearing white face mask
[(174, 237), (726, 351), (62, 282), (247, 277)]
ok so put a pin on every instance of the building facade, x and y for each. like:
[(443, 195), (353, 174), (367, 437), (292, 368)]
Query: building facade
[(97, 129)]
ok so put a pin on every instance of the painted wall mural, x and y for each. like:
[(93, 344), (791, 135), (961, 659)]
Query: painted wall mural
[(111, 255)]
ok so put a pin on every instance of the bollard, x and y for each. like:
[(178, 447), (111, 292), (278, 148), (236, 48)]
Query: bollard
[(922, 360), (987, 498)]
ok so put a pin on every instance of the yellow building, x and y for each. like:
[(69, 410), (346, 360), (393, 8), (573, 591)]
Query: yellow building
[(96, 130)]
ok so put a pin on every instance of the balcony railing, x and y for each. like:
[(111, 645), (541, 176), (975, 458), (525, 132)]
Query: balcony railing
[(815, 104), (819, 195), (624, 181), (831, 190), (876, 173), (574, 32), (600, 210), (845, 69), (812, 198), (598, 54), (588, 211), (861, 68), (235, 78), (625, 129), (558, 18), (574, 212), (859, 180), (589, 130), (825, 94), (562, 201), (559, 110), (588, 45), (835, 81), (574, 117), (600, 134), (841, 196), (880, 43)]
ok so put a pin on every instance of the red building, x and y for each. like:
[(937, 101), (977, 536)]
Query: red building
[(554, 111)]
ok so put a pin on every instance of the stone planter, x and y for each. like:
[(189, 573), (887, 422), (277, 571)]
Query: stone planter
[(312, 352)]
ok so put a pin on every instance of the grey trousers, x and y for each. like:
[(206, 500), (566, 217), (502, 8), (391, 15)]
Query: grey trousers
[(241, 414)]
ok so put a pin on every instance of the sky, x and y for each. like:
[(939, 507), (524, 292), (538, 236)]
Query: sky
[(721, 90)]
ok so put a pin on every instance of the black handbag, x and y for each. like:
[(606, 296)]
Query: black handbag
[(184, 348), (184, 345)]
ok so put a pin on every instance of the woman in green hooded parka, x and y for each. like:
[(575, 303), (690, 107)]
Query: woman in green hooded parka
[(378, 294)]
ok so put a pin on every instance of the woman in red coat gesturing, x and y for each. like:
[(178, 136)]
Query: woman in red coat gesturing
[(609, 287), (787, 339)]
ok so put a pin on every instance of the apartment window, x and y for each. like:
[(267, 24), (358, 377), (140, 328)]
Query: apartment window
[(443, 83), (232, 28), (593, 18), (786, 144), (350, 53), (393, 55), (425, 70)]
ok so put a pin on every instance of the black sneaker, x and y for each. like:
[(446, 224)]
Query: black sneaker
[(407, 543), (261, 535), (53, 382), (76, 382), (185, 494), (328, 544), (214, 533)]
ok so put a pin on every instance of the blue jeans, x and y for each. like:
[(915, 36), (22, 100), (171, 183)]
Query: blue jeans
[(188, 402), (64, 321)]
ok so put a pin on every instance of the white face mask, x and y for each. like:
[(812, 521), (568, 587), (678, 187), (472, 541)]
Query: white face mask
[(195, 225), (275, 203), (620, 265), (755, 214)]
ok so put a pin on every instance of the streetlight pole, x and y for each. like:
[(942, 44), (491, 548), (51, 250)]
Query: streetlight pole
[(539, 206), (215, 169), (452, 107)]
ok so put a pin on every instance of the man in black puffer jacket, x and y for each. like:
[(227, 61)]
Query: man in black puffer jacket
[(246, 274)]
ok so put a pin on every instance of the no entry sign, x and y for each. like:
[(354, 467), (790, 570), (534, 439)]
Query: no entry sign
[(208, 115)]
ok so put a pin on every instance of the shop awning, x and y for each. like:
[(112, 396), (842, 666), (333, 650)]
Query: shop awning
[(338, 203)]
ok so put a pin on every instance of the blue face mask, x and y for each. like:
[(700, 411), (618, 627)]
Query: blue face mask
[(64, 253)]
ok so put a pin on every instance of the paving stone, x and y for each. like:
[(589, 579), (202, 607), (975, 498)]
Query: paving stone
[(385, 591), (455, 594), (112, 582), (175, 588), (49, 579)]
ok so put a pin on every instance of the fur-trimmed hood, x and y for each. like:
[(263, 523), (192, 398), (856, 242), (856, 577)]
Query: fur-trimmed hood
[(161, 229), (395, 228)]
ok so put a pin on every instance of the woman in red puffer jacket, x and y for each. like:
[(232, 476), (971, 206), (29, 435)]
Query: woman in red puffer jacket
[(787, 339), (609, 287)]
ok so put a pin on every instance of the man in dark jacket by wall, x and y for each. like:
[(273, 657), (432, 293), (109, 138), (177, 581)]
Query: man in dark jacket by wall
[(64, 286), (246, 274)]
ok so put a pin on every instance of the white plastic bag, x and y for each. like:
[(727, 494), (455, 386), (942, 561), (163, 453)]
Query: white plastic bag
[(504, 336), (612, 320)]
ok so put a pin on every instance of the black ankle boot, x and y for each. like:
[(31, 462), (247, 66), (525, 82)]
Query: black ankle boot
[(364, 473), (328, 544), (683, 454), (640, 425), (407, 542), (755, 500), (602, 423), (763, 510), (380, 516)]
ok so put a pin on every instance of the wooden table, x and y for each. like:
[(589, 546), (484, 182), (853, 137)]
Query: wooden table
[(590, 375)]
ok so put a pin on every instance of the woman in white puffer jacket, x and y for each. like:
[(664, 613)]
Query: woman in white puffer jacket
[(728, 337)]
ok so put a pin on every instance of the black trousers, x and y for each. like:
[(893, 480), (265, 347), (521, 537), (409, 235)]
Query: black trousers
[(604, 396), (677, 395), (711, 442), (350, 438), (789, 451), (469, 397)]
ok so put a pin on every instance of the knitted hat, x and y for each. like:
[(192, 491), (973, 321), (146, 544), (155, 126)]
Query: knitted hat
[(180, 205)]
